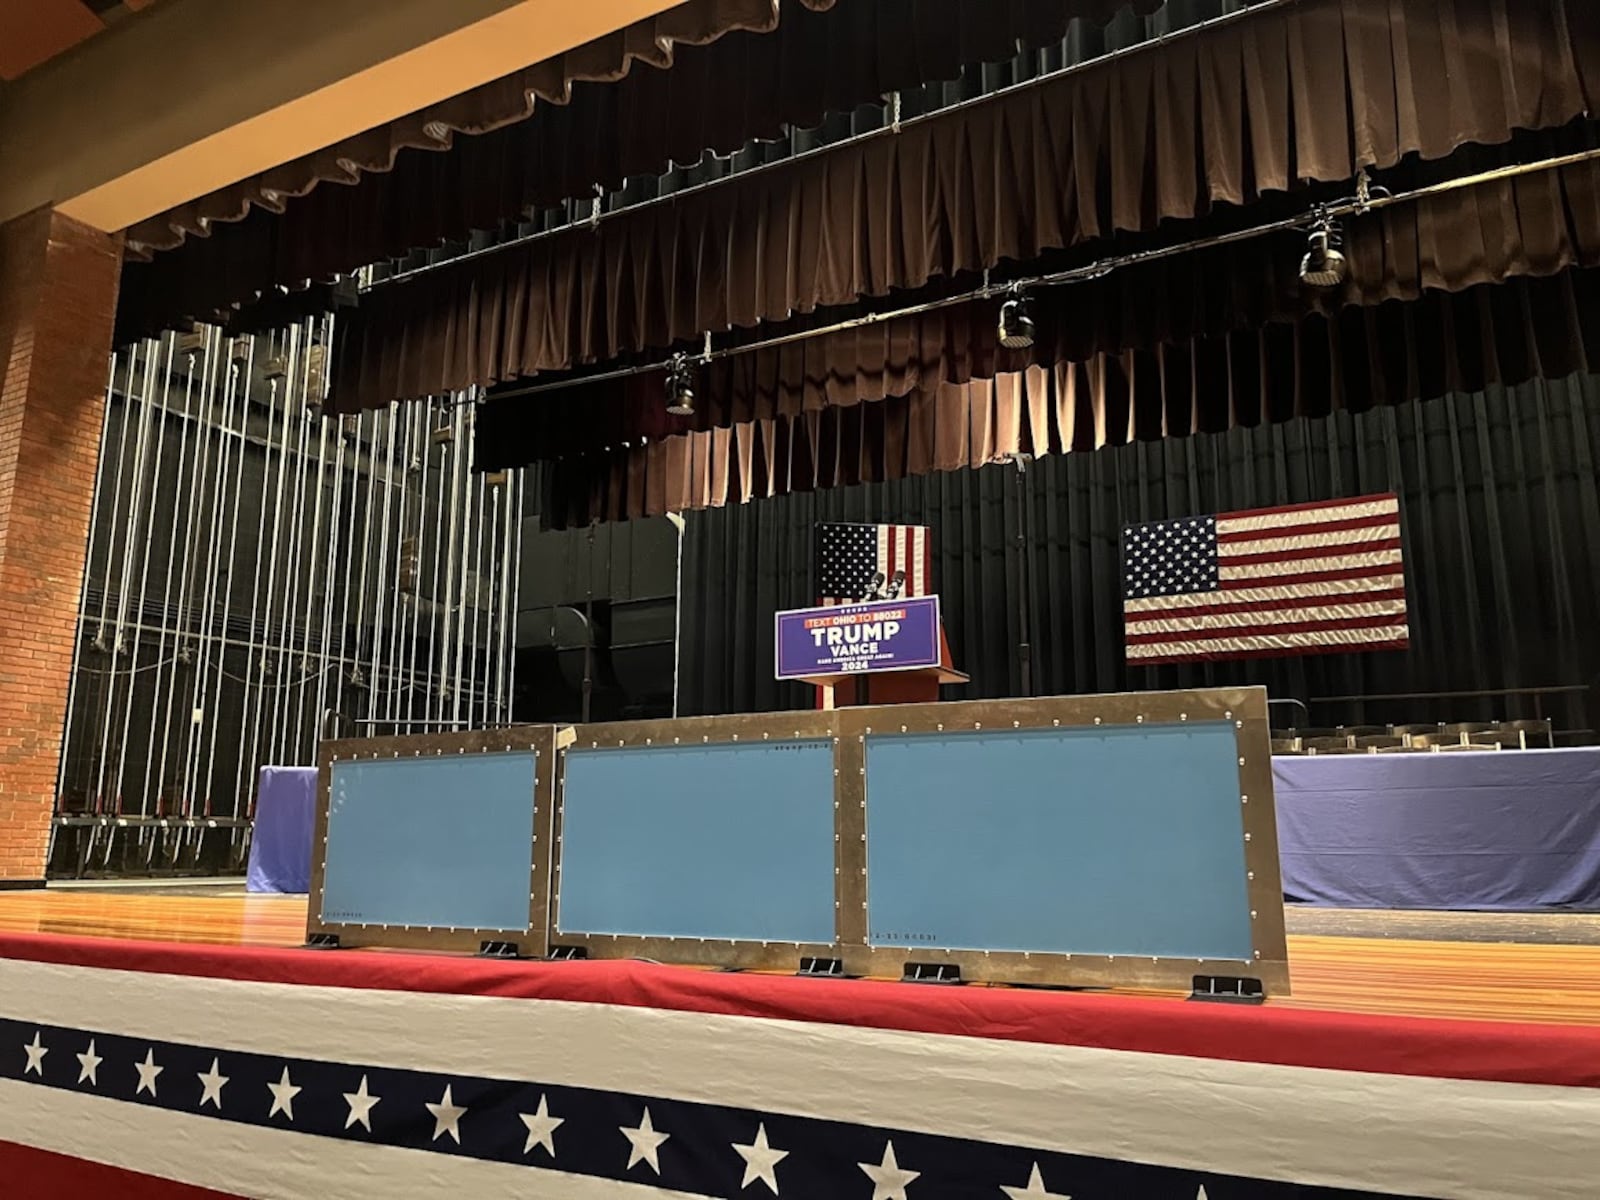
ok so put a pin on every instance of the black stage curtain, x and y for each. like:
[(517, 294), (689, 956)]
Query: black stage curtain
[(1500, 513)]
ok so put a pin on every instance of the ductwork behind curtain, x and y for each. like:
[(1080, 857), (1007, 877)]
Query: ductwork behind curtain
[(541, 136), (1500, 503), (1309, 92), (1359, 359)]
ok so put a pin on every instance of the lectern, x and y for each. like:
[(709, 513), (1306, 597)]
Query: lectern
[(883, 652)]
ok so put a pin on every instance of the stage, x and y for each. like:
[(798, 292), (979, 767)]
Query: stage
[(1537, 967)]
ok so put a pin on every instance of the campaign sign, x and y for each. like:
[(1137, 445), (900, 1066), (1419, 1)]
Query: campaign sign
[(886, 635)]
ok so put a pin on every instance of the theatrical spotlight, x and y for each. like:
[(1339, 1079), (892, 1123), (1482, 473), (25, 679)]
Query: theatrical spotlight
[(680, 387), (1016, 325), (1324, 265)]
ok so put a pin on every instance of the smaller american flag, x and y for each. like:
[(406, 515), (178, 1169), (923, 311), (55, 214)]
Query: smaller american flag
[(1306, 579), (869, 562)]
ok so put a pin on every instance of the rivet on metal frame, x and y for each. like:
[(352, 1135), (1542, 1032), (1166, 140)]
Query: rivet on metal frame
[(1183, 716), (705, 737), (1238, 724), (396, 754), (1056, 722), (1097, 720), (1258, 954), (1241, 760), (1252, 914), (1139, 720), (1228, 716), (869, 728), (1249, 874), (765, 735), (736, 737), (836, 775), (977, 724), (335, 758), (594, 745), (648, 741), (1244, 799), (622, 741), (1016, 724), (675, 741), (862, 771), (941, 728), (1247, 837), (902, 729)]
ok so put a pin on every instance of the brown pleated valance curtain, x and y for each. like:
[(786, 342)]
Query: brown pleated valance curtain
[(1309, 92), (538, 140), (1357, 359), (1536, 225)]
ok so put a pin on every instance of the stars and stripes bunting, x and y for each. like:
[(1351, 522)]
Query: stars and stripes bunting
[(287, 1074), (1303, 579)]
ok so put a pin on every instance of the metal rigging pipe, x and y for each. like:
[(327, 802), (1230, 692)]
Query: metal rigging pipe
[(378, 605), (220, 572)]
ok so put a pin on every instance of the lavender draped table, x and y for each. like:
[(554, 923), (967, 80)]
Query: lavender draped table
[(280, 846), (1507, 831)]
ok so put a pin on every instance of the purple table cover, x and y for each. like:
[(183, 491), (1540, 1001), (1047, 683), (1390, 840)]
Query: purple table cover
[(280, 847), (1506, 831)]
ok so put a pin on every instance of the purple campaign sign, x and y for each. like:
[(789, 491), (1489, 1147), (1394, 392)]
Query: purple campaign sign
[(888, 635)]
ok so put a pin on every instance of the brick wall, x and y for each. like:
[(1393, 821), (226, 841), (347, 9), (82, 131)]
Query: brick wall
[(58, 293)]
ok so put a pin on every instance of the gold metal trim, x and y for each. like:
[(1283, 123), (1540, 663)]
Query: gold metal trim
[(1246, 708), (532, 941)]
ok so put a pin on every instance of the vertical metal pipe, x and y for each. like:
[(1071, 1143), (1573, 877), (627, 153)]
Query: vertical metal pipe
[(155, 775), (518, 478), (396, 612), (256, 665), (139, 517), (329, 568), (424, 457), (103, 800), (290, 675), (181, 622), (378, 598), (477, 598), (467, 411), (436, 607), (349, 563), (308, 666), (491, 629), (503, 494), (453, 556), (81, 627), (366, 556), (219, 578)]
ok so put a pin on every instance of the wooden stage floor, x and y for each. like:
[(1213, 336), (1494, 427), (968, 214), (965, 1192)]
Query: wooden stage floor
[(1545, 982)]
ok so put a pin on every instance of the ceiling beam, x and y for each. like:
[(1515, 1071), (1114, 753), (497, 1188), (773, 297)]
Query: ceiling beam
[(198, 94)]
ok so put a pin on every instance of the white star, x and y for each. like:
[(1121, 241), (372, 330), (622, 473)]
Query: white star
[(89, 1064), (283, 1094), (35, 1050), (1035, 1189), (889, 1178), (541, 1128), (361, 1103), (760, 1161), (644, 1143), (447, 1117), (147, 1073), (211, 1083), (1202, 1193)]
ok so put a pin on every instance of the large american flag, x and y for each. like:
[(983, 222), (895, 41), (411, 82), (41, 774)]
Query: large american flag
[(1305, 579), (868, 562)]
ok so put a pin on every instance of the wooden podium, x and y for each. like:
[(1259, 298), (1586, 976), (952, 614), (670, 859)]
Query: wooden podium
[(919, 685)]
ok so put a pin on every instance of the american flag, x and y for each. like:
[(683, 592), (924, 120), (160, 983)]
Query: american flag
[(865, 562), (1306, 579)]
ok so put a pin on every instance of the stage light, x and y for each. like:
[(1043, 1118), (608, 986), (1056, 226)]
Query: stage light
[(1324, 265), (680, 387), (1016, 325)]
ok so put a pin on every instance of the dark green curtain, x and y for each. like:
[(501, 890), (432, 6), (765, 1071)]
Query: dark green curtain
[(1500, 514)]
